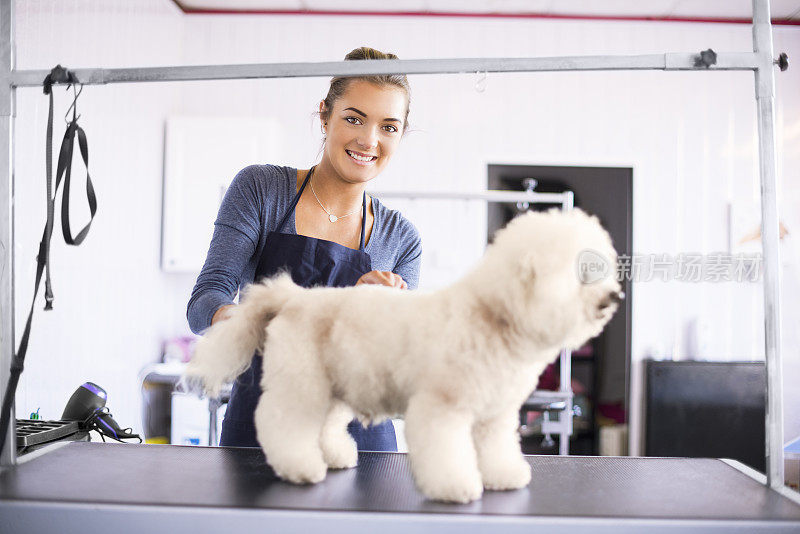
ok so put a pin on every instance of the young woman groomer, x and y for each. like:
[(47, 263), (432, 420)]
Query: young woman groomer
[(319, 224)]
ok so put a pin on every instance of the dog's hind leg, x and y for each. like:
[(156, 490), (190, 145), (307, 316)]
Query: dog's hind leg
[(338, 446), (293, 407), (499, 456), (441, 450)]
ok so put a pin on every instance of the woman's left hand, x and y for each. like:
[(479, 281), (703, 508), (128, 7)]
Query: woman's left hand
[(383, 278)]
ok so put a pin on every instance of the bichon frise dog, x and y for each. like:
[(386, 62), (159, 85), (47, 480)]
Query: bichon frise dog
[(457, 363)]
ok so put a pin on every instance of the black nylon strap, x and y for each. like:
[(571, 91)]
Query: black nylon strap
[(43, 257), (44, 251), (65, 167)]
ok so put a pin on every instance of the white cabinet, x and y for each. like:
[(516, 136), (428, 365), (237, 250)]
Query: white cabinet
[(201, 157)]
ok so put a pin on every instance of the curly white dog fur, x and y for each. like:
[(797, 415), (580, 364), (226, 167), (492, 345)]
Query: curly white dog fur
[(458, 362)]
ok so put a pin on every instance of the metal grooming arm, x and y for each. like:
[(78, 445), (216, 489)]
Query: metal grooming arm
[(760, 61)]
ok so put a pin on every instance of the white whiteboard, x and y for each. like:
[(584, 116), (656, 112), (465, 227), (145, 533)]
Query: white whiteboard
[(201, 157)]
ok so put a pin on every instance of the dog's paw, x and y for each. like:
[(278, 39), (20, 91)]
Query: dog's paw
[(507, 475), (462, 489), (302, 472), (342, 454)]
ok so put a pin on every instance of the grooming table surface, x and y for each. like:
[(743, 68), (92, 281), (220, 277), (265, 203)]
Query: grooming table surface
[(133, 486)]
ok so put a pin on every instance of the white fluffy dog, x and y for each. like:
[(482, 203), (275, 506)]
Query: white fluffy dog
[(458, 362)]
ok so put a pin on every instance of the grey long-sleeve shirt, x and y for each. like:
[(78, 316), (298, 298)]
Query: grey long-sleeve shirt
[(253, 206)]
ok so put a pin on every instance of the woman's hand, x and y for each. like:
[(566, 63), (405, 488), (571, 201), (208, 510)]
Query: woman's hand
[(383, 278), (222, 313)]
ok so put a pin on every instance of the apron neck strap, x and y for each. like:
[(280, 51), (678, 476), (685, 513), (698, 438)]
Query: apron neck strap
[(297, 199), (363, 219)]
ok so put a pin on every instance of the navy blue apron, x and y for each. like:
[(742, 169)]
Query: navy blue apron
[(311, 262)]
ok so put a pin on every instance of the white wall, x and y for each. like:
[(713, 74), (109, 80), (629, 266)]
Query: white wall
[(113, 305), (690, 138)]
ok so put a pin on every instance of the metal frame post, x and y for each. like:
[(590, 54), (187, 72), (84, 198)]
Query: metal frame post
[(565, 385), (7, 112), (765, 99)]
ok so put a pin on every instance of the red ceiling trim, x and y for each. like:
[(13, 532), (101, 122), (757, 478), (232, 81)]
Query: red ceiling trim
[(203, 11)]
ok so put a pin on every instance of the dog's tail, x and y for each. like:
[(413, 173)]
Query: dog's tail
[(226, 349)]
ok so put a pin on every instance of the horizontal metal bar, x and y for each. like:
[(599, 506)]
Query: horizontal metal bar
[(724, 61), (488, 196), (541, 395), (677, 61)]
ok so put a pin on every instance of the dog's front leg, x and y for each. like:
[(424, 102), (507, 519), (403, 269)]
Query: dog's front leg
[(441, 451), (338, 446), (500, 459)]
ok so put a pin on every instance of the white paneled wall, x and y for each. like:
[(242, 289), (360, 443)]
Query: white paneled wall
[(689, 137)]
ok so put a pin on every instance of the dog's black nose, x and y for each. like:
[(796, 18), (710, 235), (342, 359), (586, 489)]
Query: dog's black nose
[(612, 298)]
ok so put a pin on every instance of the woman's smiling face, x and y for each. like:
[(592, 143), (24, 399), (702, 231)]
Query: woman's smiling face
[(363, 130)]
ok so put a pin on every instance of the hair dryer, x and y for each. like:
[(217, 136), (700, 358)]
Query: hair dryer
[(88, 405)]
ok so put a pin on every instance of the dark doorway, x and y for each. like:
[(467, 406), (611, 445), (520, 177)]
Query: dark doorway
[(601, 369)]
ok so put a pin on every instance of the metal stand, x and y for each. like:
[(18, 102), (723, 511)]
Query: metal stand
[(760, 61), (213, 409), (7, 112)]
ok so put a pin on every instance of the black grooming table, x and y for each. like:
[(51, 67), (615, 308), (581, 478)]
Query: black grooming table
[(129, 488)]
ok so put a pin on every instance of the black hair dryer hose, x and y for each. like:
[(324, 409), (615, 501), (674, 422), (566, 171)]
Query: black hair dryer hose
[(88, 405)]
